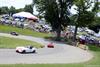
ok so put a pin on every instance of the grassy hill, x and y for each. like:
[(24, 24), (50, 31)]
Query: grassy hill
[(8, 29)]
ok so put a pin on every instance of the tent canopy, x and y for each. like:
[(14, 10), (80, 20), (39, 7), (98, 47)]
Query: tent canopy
[(25, 15)]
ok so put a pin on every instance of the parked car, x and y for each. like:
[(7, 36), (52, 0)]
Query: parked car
[(28, 49), (14, 33), (89, 39)]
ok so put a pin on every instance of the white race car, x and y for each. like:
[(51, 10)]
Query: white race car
[(28, 49)]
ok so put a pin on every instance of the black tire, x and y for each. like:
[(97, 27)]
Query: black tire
[(34, 51), (23, 51), (17, 51)]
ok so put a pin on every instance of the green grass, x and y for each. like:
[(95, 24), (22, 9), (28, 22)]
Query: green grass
[(41, 65), (6, 42), (8, 29), (94, 48)]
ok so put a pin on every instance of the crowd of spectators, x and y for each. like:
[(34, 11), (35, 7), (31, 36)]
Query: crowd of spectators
[(30, 24)]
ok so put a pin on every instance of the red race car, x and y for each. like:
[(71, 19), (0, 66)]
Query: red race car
[(50, 45)]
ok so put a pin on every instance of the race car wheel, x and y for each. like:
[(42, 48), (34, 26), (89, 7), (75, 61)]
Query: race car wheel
[(23, 51), (17, 51), (34, 51)]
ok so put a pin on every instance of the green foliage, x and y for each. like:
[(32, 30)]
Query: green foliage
[(96, 7), (96, 23), (12, 10), (55, 12), (28, 8), (19, 10), (84, 17), (4, 10)]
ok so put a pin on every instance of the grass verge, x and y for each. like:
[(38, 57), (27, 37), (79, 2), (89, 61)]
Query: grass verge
[(6, 42)]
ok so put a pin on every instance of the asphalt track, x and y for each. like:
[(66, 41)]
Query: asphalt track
[(61, 54)]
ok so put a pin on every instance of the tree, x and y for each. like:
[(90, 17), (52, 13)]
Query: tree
[(28, 8), (84, 16), (4, 10), (96, 25), (0, 10), (12, 10), (19, 10), (55, 12)]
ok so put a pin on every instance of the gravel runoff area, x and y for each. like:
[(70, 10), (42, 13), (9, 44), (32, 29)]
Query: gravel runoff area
[(61, 53)]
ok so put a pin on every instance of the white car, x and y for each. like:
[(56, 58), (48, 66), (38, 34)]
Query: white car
[(28, 49)]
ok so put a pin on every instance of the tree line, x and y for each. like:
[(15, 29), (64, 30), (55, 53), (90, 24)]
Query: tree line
[(12, 9)]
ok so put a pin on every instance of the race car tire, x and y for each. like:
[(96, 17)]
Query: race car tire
[(17, 51), (23, 51), (34, 51)]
